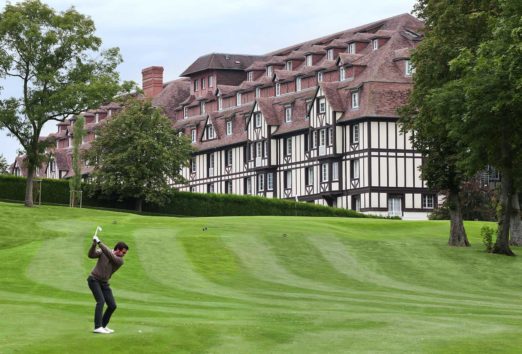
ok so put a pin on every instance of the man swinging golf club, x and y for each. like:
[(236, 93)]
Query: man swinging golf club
[(109, 261)]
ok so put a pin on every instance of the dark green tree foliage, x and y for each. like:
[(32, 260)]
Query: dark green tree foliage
[(4, 166), (56, 59), (492, 126), (436, 101), (75, 182), (136, 154)]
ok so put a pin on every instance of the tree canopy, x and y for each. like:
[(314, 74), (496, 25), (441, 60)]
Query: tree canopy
[(137, 153), (60, 70)]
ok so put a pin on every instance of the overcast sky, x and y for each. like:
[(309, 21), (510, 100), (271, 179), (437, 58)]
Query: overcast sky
[(174, 33)]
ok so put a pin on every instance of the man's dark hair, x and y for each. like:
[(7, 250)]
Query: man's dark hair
[(121, 245)]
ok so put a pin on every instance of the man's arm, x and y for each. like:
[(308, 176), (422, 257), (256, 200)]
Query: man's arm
[(112, 257), (93, 252)]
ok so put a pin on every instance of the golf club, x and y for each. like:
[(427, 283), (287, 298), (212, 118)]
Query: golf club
[(97, 229)]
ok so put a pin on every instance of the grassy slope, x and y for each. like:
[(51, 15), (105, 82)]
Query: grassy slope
[(329, 285)]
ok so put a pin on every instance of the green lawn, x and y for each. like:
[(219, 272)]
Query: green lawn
[(255, 285)]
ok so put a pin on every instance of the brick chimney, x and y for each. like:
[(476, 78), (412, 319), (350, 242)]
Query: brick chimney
[(152, 80)]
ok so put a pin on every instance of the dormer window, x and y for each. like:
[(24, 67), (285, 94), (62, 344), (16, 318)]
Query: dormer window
[(375, 44), (330, 54), (185, 112), (211, 133), (289, 65), (342, 73), (278, 89), (201, 107), (269, 70), (321, 104), (257, 120), (203, 82), (309, 60), (355, 100), (220, 103), (320, 76), (193, 135), (258, 92), (196, 85), (298, 84), (250, 76), (238, 99), (409, 69), (351, 48), (229, 127), (288, 114)]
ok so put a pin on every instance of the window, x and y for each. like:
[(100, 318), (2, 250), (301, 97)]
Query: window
[(211, 134), (321, 106), (202, 108), (355, 134), (322, 137), (309, 176), (355, 100), (192, 189), (203, 82), (229, 127), (330, 136), (298, 84), (308, 108), (324, 172), (278, 89), (356, 202), (228, 158), (314, 139), (289, 65), (288, 146), (342, 73), (185, 112), (193, 165), (330, 54), (269, 70), (257, 119), (320, 76), (261, 182), (211, 160), (220, 103), (269, 181), (196, 85), (211, 81), (97, 117), (210, 188), (265, 148), (193, 135), (428, 201), (288, 179), (228, 187), (248, 185), (351, 48), (259, 149), (409, 68), (258, 91), (250, 76), (238, 99), (375, 44), (335, 171), (288, 114), (309, 59), (355, 169)]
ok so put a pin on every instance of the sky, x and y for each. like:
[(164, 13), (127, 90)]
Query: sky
[(174, 33)]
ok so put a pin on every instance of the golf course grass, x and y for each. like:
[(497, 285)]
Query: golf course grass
[(255, 285)]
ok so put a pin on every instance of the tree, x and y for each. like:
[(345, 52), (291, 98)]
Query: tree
[(492, 127), (436, 101), (75, 182), (136, 153), (4, 166), (52, 56)]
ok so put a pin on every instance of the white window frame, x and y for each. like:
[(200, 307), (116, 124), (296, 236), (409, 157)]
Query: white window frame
[(210, 81), (203, 82), (322, 105), (330, 136), (202, 108), (355, 134), (335, 171), (196, 85), (257, 120), (428, 201), (228, 187), (288, 179), (269, 181), (193, 135), (269, 71), (250, 76), (265, 148), (211, 134), (229, 127), (288, 147), (278, 89), (352, 48), (330, 54), (310, 175), (356, 169), (375, 44), (238, 99), (309, 60), (315, 138), (355, 100), (193, 165), (288, 114), (409, 70), (324, 172), (298, 83), (220, 103), (261, 182), (322, 137), (185, 112), (228, 158), (259, 149), (320, 76), (249, 185), (342, 73), (258, 91), (288, 65)]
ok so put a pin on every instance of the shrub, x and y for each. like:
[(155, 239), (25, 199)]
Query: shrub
[(487, 237)]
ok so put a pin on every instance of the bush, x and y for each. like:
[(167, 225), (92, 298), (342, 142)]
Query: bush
[(487, 237)]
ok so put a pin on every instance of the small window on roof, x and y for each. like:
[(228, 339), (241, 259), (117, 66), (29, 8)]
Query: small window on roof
[(269, 70), (238, 99), (278, 89), (351, 48), (330, 54), (375, 44), (298, 83), (309, 59), (250, 76), (289, 65)]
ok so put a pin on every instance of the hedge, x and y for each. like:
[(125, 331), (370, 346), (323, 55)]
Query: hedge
[(179, 203)]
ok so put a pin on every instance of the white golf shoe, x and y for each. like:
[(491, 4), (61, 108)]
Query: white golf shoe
[(108, 329), (101, 330)]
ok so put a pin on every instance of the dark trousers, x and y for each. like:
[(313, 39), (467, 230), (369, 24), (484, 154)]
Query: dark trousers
[(102, 294)]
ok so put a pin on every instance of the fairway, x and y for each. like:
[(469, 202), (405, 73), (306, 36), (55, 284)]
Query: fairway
[(255, 285)]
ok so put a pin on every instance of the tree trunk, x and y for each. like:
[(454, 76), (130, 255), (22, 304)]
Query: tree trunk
[(502, 244), (139, 204), (458, 237), (29, 186), (516, 225)]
